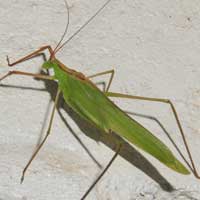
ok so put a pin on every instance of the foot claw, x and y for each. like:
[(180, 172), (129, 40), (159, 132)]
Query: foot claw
[(22, 179)]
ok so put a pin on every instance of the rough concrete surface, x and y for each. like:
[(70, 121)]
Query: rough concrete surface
[(154, 47)]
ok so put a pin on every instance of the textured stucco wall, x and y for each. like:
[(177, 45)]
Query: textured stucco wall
[(154, 47)]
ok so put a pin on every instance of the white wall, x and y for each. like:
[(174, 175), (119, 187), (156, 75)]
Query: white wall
[(153, 46)]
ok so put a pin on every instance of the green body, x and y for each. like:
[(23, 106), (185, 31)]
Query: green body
[(94, 106)]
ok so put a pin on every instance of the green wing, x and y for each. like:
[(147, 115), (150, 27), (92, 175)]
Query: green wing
[(89, 102)]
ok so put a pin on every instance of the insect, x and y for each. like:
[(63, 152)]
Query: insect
[(83, 96)]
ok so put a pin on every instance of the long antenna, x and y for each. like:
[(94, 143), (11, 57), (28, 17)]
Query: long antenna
[(82, 27), (66, 27)]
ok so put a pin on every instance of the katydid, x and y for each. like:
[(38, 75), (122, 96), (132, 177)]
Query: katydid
[(87, 100)]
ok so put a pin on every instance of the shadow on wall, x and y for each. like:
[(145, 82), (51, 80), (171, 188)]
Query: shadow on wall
[(128, 152)]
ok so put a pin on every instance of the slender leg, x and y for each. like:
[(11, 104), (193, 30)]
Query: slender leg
[(45, 138), (167, 101), (112, 72), (29, 56), (40, 76), (102, 173)]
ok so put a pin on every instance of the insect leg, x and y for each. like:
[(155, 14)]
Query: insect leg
[(31, 55), (45, 138), (112, 72), (102, 173), (40, 76), (167, 101)]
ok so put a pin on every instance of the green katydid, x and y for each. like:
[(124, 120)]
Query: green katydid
[(83, 96)]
